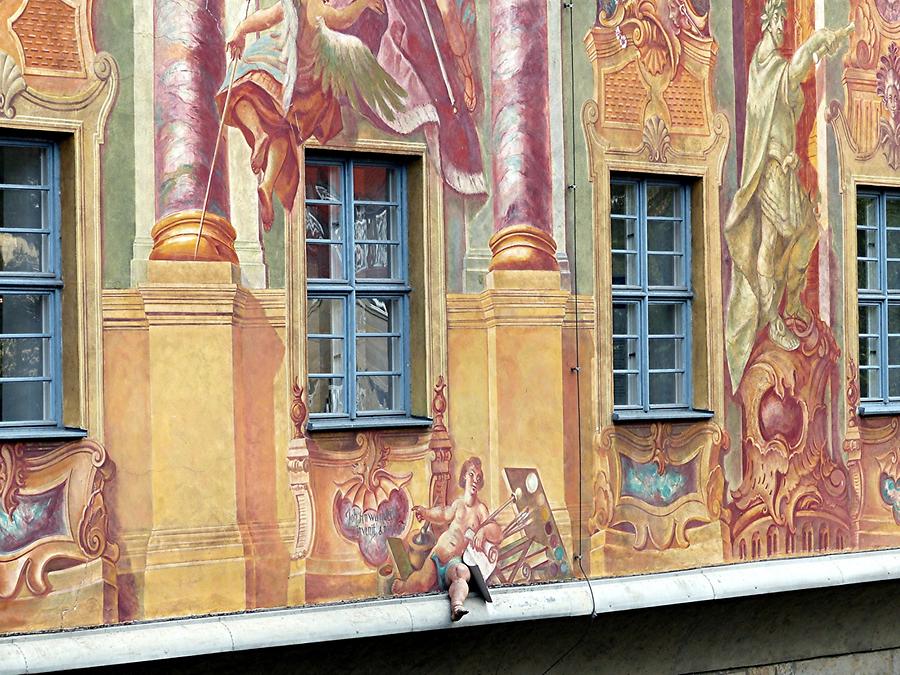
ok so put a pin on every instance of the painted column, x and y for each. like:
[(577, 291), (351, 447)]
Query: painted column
[(189, 63), (523, 194)]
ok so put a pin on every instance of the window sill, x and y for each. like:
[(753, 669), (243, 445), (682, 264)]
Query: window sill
[(339, 424), (661, 415), (875, 409), (41, 433)]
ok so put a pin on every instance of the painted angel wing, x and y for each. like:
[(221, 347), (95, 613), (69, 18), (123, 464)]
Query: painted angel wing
[(348, 68), (289, 52)]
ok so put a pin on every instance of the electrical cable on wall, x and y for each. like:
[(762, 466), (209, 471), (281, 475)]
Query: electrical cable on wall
[(576, 370)]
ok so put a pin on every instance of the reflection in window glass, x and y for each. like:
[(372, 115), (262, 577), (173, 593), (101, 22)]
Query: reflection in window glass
[(358, 303), (878, 285), (649, 231)]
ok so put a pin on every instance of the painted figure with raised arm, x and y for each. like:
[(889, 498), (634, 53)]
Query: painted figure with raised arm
[(290, 86), (467, 524), (772, 225)]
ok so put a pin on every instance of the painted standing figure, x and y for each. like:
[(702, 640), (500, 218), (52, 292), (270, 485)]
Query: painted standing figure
[(466, 521), (772, 228)]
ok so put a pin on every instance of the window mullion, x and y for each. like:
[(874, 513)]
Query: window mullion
[(644, 327), (350, 274)]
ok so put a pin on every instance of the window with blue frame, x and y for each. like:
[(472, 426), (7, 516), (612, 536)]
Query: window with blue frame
[(651, 295), (878, 283), (357, 290), (30, 289)]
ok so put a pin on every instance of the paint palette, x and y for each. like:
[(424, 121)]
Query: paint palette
[(532, 548)]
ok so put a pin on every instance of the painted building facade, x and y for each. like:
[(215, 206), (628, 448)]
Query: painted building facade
[(280, 273)]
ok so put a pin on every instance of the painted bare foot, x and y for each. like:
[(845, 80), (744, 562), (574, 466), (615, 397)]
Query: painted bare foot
[(266, 211), (471, 99), (457, 612), (783, 336), (260, 153)]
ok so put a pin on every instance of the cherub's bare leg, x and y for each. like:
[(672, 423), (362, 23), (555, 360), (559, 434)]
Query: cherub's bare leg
[(456, 36), (277, 152), (458, 580), (247, 116), (420, 581)]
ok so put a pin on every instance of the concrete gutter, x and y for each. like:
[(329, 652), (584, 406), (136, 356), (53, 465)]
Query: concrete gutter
[(151, 640)]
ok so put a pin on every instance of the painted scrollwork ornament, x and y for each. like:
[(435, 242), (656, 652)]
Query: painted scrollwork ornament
[(12, 84)]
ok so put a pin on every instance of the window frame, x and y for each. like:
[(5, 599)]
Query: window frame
[(644, 295), (883, 297), (49, 283), (350, 288)]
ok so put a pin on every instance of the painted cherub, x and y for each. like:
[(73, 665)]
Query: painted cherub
[(467, 524)]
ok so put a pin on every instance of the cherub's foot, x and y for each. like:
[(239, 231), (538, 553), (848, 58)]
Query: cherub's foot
[(471, 98), (260, 153), (457, 612), (266, 210), (783, 336)]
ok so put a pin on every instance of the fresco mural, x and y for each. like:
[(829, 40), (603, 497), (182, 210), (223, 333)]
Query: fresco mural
[(194, 472)]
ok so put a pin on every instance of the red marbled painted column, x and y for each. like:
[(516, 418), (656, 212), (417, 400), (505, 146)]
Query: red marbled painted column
[(520, 97), (189, 63)]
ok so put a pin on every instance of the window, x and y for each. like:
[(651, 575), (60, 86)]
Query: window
[(651, 296), (358, 292), (30, 289), (878, 282)]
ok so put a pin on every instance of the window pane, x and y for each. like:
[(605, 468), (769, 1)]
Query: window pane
[(325, 316), (868, 351), (866, 211), (377, 315), (325, 356), (623, 199), (867, 275), (894, 319), (665, 319), (624, 269), (869, 383), (23, 208), (373, 183), (665, 270), (24, 357), (893, 350), (626, 390), (664, 201), (378, 393), (869, 320), (323, 222), (893, 275), (666, 353), (625, 319), (326, 395), (323, 182), (894, 382), (867, 243), (377, 354), (666, 389), (893, 243), (377, 261), (22, 165), (625, 354), (24, 401), (375, 222), (324, 261), (24, 313), (22, 252), (892, 215), (623, 233), (664, 235)]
